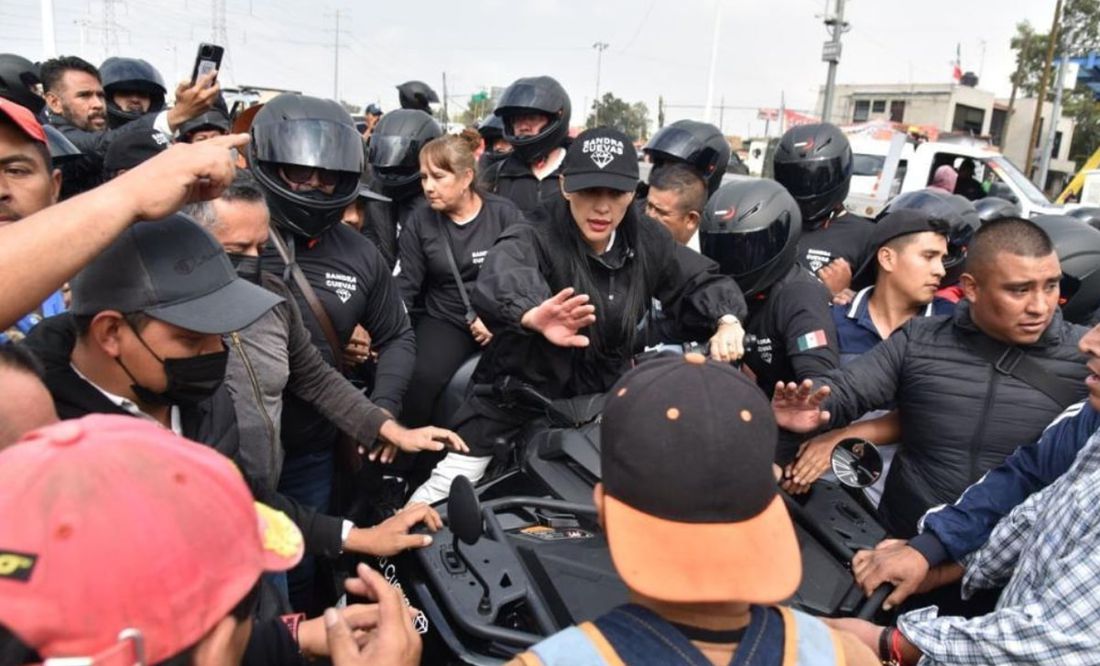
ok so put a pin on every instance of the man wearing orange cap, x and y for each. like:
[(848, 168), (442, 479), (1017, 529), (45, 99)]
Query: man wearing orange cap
[(126, 544), (705, 546)]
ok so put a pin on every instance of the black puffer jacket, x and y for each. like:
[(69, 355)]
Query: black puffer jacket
[(960, 416), (531, 261)]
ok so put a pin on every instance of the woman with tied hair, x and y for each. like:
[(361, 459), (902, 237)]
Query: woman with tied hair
[(440, 251)]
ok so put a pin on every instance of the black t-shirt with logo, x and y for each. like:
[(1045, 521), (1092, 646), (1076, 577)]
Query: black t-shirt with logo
[(354, 285), (424, 274), (795, 334), (846, 236)]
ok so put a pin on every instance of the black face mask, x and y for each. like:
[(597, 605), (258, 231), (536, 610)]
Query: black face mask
[(190, 380), (247, 266)]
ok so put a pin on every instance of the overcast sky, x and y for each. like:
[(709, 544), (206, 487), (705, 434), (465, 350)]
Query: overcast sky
[(656, 47)]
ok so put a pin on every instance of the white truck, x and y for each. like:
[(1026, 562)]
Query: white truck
[(914, 165)]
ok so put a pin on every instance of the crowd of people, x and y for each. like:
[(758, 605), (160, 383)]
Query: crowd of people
[(226, 355)]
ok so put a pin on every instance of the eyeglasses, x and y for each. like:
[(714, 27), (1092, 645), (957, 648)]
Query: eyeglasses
[(300, 175)]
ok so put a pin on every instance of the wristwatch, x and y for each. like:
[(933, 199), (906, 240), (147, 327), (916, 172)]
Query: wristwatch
[(728, 319)]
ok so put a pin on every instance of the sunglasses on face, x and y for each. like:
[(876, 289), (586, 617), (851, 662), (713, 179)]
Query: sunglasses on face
[(300, 175)]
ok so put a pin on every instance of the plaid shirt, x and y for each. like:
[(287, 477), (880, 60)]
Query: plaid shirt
[(1048, 549)]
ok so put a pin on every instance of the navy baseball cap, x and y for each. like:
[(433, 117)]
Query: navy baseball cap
[(172, 270)]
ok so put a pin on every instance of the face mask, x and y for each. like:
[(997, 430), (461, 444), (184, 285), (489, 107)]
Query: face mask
[(247, 266), (190, 380)]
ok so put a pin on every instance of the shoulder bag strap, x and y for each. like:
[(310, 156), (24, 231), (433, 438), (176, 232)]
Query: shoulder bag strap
[(471, 315), (1013, 361)]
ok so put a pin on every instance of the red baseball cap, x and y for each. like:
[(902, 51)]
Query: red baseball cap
[(23, 119), (115, 528)]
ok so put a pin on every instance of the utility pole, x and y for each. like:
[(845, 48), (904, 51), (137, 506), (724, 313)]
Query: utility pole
[(49, 39), (1052, 126), (336, 60), (600, 48), (446, 116), (830, 53), (1037, 121), (713, 60)]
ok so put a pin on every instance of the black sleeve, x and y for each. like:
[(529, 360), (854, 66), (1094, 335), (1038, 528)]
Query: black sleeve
[(868, 382), (97, 142), (805, 311), (320, 532), (387, 321), (695, 294), (510, 281), (271, 644), (411, 262)]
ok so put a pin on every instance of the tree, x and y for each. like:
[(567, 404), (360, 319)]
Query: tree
[(630, 119), (1079, 34)]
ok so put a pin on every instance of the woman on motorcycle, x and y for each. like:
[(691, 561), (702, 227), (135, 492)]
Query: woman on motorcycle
[(440, 250), (564, 294)]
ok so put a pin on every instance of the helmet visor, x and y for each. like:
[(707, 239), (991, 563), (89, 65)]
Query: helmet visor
[(739, 254), (807, 179), (528, 96), (394, 151), (675, 142), (315, 143)]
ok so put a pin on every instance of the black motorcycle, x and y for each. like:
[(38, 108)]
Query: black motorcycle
[(523, 556)]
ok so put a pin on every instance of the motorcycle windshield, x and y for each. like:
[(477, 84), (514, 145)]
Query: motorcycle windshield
[(807, 179), (739, 254), (394, 151), (317, 143)]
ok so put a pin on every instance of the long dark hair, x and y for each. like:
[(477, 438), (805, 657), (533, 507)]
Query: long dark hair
[(576, 266)]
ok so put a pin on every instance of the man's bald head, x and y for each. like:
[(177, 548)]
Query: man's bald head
[(27, 403), (1013, 235)]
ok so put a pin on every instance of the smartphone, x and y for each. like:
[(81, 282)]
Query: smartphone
[(207, 59)]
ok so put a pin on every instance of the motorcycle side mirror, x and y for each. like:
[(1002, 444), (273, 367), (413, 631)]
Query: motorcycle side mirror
[(857, 463), (464, 511)]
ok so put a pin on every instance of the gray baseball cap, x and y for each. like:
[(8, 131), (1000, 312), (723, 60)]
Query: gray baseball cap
[(172, 270)]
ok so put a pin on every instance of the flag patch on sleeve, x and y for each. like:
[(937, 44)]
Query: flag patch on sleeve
[(812, 340)]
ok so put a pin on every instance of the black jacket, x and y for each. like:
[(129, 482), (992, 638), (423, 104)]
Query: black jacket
[(512, 179), (425, 275), (383, 222), (97, 143), (212, 422), (960, 416), (531, 262)]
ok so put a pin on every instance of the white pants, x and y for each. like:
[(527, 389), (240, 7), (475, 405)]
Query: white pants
[(438, 486)]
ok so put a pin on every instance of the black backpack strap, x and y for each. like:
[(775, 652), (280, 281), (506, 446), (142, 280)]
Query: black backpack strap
[(471, 315), (1015, 362)]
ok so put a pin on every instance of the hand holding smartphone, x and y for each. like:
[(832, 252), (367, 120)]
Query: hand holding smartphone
[(207, 59)]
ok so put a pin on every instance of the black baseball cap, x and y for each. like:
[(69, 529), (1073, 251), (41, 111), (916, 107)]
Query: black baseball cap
[(134, 147), (690, 505), (895, 225), (172, 270), (601, 157)]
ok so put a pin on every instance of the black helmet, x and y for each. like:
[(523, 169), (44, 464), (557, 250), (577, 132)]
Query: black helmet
[(62, 150), (1087, 214), (700, 145), (954, 209), (751, 228), (995, 208), (537, 94), (18, 82), (120, 74), (312, 132), (491, 128), (215, 118), (394, 151), (1078, 248), (814, 163), (417, 95)]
